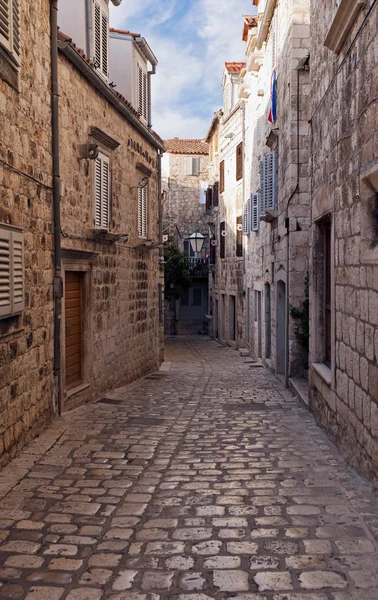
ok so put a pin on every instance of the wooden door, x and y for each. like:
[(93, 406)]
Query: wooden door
[(73, 298)]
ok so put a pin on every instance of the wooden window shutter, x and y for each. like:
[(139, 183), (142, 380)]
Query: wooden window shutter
[(5, 273), (221, 177), (213, 251), (102, 191), (18, 291), (16, 26), (222, 238), (270, 180), (104, 43), (239, 236), (239, 161), (209, 198), (142, 91), (97, 35), (255, 218), (196, 165), (142, 212), (262, 183), (246, 218), (216, 193), (144, 114)]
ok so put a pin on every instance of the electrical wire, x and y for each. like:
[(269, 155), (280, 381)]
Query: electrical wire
[(6, 164)]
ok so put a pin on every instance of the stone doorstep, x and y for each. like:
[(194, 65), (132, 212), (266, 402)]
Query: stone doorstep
[(299, 388)]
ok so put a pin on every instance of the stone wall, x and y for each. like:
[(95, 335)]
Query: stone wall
[(344, 394), (182, 206), (267, 249), (26, 341), (122, 329), (229, 270)]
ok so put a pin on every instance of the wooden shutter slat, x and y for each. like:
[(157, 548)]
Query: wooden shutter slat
[(255, 221), (97, 35), (73, 328), (105, 193), (144, 113), (18, 291), (246, 218), (5, 24), (239, 161), (16, 27), (5, 273), (98, 188)]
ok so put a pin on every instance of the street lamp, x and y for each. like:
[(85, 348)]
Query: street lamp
[(197, 241)]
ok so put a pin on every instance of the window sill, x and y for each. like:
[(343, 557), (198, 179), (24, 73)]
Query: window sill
[(342, 24), (323, 371), (9, 71)]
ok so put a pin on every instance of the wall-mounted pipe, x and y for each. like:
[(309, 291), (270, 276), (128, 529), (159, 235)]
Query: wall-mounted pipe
[(58, 288)]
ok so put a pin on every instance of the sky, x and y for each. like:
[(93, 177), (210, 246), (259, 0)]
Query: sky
[(191, 39)]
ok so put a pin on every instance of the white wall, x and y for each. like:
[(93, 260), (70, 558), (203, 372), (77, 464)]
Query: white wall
[(121, 65), (72, 22)]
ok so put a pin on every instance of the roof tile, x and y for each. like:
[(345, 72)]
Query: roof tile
[(179, 146)]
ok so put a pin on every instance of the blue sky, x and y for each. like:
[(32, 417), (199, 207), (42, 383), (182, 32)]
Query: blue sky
[(191, 39)]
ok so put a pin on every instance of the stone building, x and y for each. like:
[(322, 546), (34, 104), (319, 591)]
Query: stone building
[(226, 135), (105, 225), (277, 196), (185, 178), (27, 387), (344, 250)]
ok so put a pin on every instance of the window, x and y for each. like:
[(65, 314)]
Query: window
[(213, 251), (142, 91), (10, 27), (188, 250), (246, 217), (102, 191), (239, 161), (192, 165), (222, 237), (327, 292), (268, 181), (142, 212), (221, 177), (101, 40), (239, 236), (209, 198), (11, 271)]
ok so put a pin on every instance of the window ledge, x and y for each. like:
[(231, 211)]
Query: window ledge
[(342, 23), (323, 371)]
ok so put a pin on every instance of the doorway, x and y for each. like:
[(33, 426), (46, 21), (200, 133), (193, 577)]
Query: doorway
[(281, 328), (268, 322), (258, 322)]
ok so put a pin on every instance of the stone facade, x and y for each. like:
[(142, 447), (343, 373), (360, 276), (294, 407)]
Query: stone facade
[(344, 392), (121, 329), (26, 340), (185, 178)]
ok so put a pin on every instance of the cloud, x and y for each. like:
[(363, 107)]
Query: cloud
[(191, 39)]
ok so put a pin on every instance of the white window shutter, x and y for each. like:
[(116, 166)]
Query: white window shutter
[(142, 212), (16, 26), (5, 273), (144, 98), (196, 169), (255, 220), (18, 286), (97, 35), (105, 192), (104, 43), (188, 165), (246, 228), (102, 191), (5, 24), (262, 183), (98, 194), (270, 168)]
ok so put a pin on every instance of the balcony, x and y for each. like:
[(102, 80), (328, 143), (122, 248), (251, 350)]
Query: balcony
[(198, 267)]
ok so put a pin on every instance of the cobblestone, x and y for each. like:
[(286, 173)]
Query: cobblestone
[(205, 482)]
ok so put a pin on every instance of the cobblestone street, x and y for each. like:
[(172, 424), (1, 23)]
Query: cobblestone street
[(206, 480)]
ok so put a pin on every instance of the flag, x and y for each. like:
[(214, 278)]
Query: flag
[(273, 99)]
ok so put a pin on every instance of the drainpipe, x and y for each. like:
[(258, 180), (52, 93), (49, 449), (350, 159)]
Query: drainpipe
[(149, 75), (58, 284), (89, 26), (287, 225)]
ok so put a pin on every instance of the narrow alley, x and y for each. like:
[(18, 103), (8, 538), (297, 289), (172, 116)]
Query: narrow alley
[(206, 480)]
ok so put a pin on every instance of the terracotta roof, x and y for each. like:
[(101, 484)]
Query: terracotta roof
[(62, 37), (179, 146), (124, 32), (235, 67), (249, 23)]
